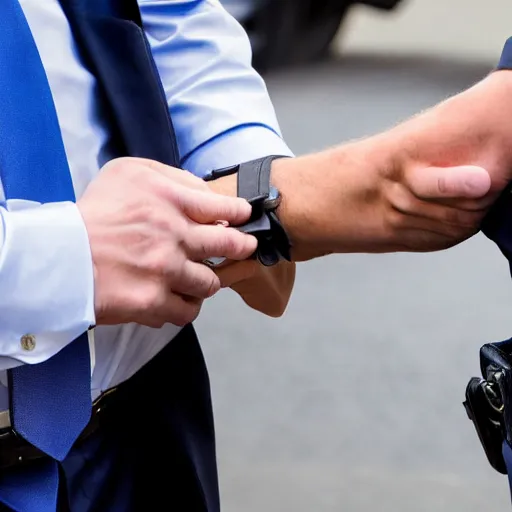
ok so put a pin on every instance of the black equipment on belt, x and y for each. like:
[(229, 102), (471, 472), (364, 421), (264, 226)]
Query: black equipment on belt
[(489, 399)]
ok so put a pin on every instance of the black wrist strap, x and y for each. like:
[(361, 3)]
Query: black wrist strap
[(253, 183), (254, 178)]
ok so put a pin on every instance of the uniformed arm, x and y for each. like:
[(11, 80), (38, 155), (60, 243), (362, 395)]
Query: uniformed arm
[(46, 280), (221, 111)]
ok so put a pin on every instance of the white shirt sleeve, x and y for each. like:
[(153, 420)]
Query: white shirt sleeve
[(46, 280)]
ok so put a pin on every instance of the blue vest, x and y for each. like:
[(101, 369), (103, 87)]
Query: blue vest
[(489, 398), (115, 49)]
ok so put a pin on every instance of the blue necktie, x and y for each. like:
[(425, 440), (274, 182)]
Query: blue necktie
[(50, 401)]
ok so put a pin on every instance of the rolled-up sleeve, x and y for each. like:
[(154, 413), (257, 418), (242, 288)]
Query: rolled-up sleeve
[(219, 104)]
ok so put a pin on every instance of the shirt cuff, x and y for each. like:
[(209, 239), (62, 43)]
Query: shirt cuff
[(235, 146), (46, 278)]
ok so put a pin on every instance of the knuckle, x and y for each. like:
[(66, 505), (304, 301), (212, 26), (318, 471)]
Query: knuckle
[(453, 216), (240, 208), (212, 285), (144, 211), (115, 165), (461, 218), (158, 264), (234, 208), (162, 226), (151, 299), (201, 283), (395, 218), (442, 186), (188, 314), (166, 263), (228, 242), (401, 199), (126, 169), (156, 322), (192, 181), (200, 208), (472, 220)]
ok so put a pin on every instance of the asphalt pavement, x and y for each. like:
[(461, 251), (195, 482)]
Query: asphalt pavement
[(352, 401)]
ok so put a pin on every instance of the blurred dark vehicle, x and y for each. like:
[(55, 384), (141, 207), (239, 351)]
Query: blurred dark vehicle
[(287, 32)]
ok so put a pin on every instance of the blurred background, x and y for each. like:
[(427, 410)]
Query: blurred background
[(353, 400)]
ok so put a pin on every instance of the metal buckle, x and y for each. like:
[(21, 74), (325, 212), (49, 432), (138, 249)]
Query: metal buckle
[(488, 401)]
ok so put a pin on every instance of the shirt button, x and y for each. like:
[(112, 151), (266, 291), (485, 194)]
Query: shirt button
[(28, 342)]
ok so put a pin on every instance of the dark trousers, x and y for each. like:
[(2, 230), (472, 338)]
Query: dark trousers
[(155, 448)]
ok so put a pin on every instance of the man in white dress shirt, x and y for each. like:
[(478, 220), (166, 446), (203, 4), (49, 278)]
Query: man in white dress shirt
[(127, 257)]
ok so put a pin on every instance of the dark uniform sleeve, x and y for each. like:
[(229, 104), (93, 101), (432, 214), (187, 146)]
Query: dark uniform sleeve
[(506, 56), (498, 223)]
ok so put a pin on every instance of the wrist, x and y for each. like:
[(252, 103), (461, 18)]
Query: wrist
[(298, 211), (330, 201)]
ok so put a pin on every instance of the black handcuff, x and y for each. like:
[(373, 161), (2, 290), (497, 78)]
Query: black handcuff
[(253, 184)]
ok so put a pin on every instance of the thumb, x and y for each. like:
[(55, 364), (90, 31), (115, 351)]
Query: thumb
[(461, 182)]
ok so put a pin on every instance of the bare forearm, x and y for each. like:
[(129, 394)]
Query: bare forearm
[(422, 186), (330, 200), (370, 195)]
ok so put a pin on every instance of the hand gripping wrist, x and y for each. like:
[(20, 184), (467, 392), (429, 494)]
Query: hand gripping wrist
[(253, 179)]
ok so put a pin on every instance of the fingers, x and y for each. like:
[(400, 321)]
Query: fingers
[(197, 280), (206, 241), (208, 207), (195, 198), (177, 310), (429, 226), (448, 214), (464, 182)]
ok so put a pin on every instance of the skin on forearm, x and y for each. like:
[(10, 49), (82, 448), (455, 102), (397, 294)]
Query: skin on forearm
[(331, 200), (423, 185), (355, 198)]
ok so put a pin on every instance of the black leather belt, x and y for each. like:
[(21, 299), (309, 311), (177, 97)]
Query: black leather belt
[(15, 451)]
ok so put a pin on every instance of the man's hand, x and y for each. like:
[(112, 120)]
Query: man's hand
[(422, 186), (149, 228)]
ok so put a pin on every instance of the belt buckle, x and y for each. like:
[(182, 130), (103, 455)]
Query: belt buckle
[(488, 401)]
